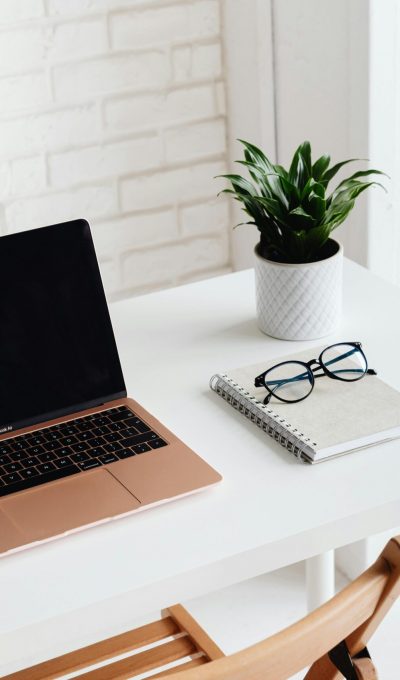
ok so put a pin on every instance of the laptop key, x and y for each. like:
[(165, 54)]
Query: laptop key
[(54, 444), (62, 462), (88, 464), (108, 458), (29, 472), (81, 446), (34, 450), (18, 444), (4, 450), (120, 415), (46, 457), (157, 443), (12, 467), (36, 440), (29, 462), (4, 459), (67, 441), (99, 431), (21, 484), (64, 451), (95, 442), (96, 452), (12, 478), (46, 467), (138, 424), (79, 457), (113, 437), (112, 447), (139, 439), (68, 430), (126, 453), (83, 425), (141, 448), (116, 427), (19, 455), (83, 436)]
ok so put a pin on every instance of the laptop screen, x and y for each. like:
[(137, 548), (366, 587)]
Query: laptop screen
[(57, 347)]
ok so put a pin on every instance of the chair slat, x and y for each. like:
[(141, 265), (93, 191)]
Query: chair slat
[(187, 623), (143, 661), (198, 661), (99, 651)]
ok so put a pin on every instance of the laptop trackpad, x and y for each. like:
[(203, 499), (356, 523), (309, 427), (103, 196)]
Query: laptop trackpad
[(53, 509)]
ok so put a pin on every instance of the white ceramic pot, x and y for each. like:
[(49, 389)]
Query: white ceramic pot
[(299, 301)]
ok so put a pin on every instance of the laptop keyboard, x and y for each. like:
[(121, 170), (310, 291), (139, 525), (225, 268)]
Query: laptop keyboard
[(71, 447)]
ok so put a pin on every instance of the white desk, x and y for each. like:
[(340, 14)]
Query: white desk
[(269, 511)]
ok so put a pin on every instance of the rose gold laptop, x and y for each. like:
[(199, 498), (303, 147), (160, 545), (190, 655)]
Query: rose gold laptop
[(74, 449)]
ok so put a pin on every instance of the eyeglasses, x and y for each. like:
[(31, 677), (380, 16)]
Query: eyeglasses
[(294, 380)]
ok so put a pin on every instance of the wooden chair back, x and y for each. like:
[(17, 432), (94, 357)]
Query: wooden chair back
[(344, 624)]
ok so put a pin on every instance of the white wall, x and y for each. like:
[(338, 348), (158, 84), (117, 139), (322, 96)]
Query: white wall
[(113, 110), (311, 61), (321, 52)]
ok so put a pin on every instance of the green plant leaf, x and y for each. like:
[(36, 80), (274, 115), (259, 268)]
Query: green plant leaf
[(329, 174), (305, 150), (361, 173), (320, 166)]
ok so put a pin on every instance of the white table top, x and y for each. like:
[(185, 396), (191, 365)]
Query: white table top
[(269, 511)]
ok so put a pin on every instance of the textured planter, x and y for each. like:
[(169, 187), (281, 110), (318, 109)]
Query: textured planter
[(299, 301)]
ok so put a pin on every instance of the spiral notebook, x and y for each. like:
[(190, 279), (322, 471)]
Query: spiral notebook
[(336, 418)]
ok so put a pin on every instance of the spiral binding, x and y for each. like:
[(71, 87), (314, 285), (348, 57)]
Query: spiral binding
[(276, 427)]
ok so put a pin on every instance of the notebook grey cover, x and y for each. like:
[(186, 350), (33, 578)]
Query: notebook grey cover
[(337, 417)]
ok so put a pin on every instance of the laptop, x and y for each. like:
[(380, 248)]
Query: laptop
[(75, 450)]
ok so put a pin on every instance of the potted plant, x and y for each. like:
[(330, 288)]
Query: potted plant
[(298, 265)]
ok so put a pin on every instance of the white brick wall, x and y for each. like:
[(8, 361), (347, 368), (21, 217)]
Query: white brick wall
[(114, 110)]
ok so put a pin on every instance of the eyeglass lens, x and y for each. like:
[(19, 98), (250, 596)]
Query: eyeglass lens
[(344, 361), (289, 381)]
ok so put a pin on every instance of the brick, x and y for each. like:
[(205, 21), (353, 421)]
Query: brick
[(205, 19), (143, 28), (169, 187), (76, 39), (88, 202), (21, 50), (24, 92), (182, 63), (196, 62), (48, 131), (28, 176), (151, 110), (113, 73), (131, 231), (166, 265), (20, 10), (107, 160), (202, 254), (204, 217), (195, 140), (207, 61)]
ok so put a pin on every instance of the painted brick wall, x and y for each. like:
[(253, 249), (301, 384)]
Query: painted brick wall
[(113, 110)]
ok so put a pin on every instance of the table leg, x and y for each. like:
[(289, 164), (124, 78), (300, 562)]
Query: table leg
[(320, 579)]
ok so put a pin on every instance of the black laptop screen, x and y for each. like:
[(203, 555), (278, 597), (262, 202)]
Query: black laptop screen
[(57, 348)]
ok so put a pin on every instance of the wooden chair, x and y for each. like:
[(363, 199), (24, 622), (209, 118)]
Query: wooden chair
[(333, 636)]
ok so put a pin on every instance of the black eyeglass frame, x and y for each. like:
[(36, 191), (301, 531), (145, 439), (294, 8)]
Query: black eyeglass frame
[(311, 372)]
